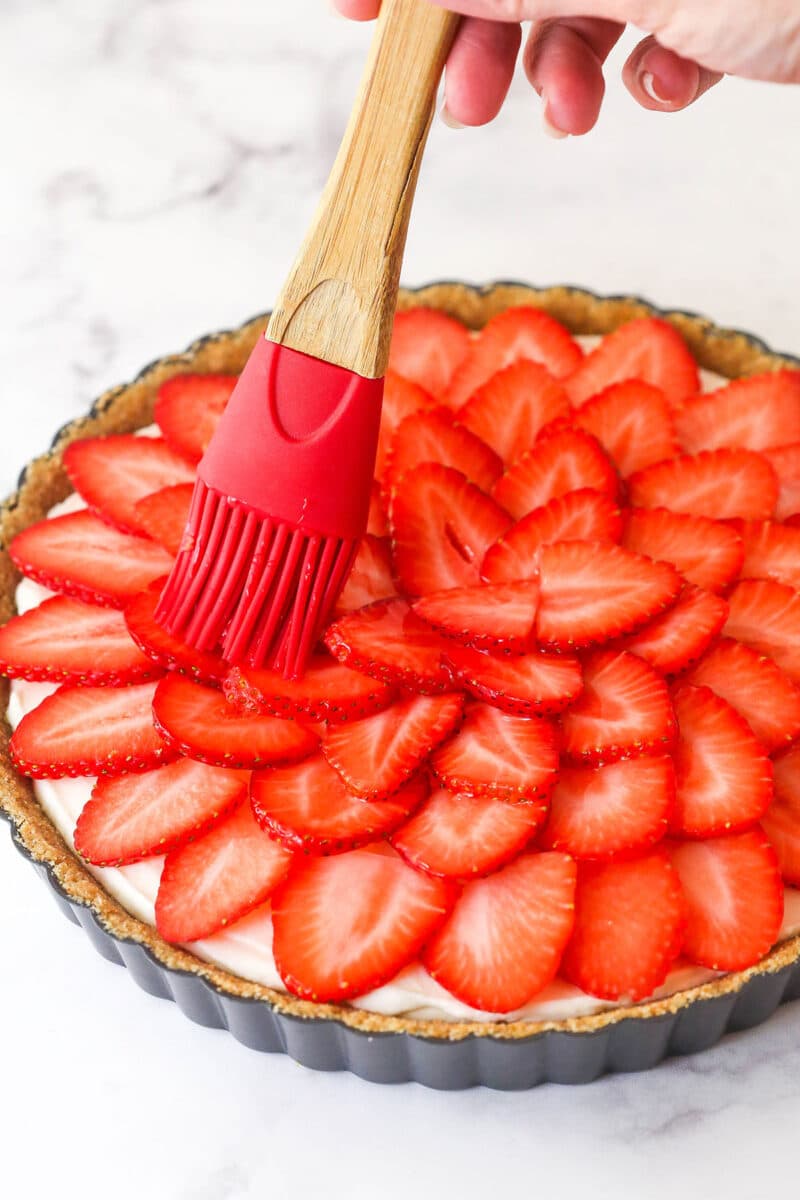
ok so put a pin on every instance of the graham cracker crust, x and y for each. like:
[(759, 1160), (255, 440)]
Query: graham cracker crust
[(125, 408)]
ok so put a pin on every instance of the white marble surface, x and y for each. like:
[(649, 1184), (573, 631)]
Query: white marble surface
[(161, 160)]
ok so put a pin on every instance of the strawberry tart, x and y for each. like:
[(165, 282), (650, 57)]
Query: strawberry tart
[(533, 812)]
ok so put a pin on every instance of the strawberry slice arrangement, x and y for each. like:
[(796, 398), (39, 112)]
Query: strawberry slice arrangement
[(554, 727)]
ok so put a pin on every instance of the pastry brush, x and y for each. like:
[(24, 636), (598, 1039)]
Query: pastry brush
[(282, 492)]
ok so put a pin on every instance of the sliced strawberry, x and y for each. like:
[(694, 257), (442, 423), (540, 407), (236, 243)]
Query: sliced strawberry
[(633, 423), (565, 461), (646, 349), (111, 473), (427, 347), (79, 555), (682, 634), (496, 754), (629, 921), (722, 773), (771, 551), (755, 687), (66, 641), (188, 408), (136, 816), (161, 647), (492, 616), (377, 755), (442, 525), (348, 923), (199, 722), (391, 643), (460, 837), (622, 807), (781, 822), (734, 899), (785, 462), (90, 731), (753, 414), (401, 398), (307, 807), (591, 592), (163, 515), (505, 937), (517, 333), (624, 709), (766, 616), (527, 684), (212, 882), (715, 483), (327, 691), (585, 515), (435, 436), (370, 577), (511, 407), (707, 553), (377, 524)]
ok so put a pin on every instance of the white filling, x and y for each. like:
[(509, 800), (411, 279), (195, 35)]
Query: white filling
[(245, 948)]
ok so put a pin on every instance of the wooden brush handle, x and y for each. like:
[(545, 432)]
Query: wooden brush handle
[(338, 302)]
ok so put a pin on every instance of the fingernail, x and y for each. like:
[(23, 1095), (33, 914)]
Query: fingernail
[(650, 87), (673, 87), (550, 129), (449, 119)]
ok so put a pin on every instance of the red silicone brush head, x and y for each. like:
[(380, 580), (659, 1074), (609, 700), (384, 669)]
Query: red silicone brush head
[(279, 507)]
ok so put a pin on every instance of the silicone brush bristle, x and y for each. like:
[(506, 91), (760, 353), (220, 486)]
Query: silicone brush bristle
[(254, 588)]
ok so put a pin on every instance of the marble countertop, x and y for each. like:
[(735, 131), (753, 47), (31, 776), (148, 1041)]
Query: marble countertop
[(162, 158)]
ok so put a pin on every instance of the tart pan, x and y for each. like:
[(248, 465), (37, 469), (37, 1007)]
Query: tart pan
[(439, 1054)]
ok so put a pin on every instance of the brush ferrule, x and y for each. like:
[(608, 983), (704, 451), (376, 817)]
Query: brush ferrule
[(297, 442)]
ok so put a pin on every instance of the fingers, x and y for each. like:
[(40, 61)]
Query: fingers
[(358, 10), (479, 70), (663, 81), (480, 65), (563, 60), (564, 63)]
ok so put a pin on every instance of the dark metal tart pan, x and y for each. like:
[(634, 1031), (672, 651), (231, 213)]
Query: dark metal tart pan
[(438, 1054)]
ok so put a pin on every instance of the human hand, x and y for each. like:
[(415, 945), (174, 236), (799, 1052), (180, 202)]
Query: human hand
[(691, 44)]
